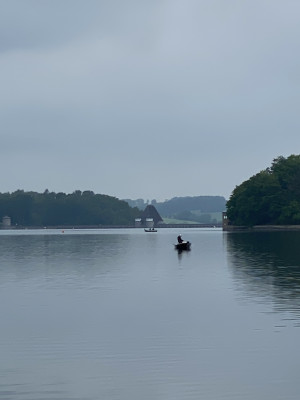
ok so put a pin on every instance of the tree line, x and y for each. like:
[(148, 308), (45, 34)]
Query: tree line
[(271, 197), (77, 208)]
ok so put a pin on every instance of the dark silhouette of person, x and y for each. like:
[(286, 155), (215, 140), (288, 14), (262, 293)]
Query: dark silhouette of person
[(179, 239)]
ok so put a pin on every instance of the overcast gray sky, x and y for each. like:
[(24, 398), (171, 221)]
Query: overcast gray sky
[(146, 99)]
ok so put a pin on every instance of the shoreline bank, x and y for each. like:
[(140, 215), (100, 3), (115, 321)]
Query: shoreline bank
[(163, 226), (261, 228)]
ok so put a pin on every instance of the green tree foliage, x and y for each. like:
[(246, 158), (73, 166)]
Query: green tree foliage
[(78, 208), (270, 197)]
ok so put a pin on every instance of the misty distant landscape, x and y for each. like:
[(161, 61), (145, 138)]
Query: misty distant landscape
[(86, 208), (197, 209)]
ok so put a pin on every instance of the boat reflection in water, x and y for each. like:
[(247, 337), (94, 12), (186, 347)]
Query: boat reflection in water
[(266, 266)]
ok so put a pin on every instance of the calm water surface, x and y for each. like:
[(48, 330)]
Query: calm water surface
[(119, 314)]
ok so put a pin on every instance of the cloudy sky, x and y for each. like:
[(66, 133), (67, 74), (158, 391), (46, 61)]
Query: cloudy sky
[(146, 99)]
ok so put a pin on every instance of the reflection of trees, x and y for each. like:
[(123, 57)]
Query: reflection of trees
[(267, 265)]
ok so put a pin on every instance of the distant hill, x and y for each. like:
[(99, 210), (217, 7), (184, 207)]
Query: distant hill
[(139, 203), (205, 204), (201, 209)]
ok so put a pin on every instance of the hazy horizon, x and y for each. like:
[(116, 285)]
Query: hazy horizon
[(149, 100)]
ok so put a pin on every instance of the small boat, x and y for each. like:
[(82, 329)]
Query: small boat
[(150, 230), (185, 245)]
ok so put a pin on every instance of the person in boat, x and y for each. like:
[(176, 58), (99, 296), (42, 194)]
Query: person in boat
[(179, 239)]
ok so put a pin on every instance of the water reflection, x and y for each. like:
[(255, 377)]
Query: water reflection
[(266, 265), (51, 257), (118, 316)]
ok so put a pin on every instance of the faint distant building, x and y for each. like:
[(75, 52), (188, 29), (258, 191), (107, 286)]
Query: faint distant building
[(149, 222), (6, 222), (150, 217), (225, 221), (138, 222)]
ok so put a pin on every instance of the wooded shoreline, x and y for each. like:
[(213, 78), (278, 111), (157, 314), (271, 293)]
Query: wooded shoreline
[(261, 228), (163, 226)]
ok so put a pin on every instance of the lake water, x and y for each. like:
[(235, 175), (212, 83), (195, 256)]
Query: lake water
[(119, 314)]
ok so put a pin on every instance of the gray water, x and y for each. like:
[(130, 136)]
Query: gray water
[(119, 314)]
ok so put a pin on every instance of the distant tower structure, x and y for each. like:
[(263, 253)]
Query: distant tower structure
[(149, 223), (138, 222), (150, 217), (6, 222), (224, 221)]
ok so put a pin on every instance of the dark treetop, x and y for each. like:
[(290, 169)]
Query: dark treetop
[(271, 197), (52, 209)]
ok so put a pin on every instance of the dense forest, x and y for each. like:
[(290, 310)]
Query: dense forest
[(198, 208), (53, 209), (270, 197)]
